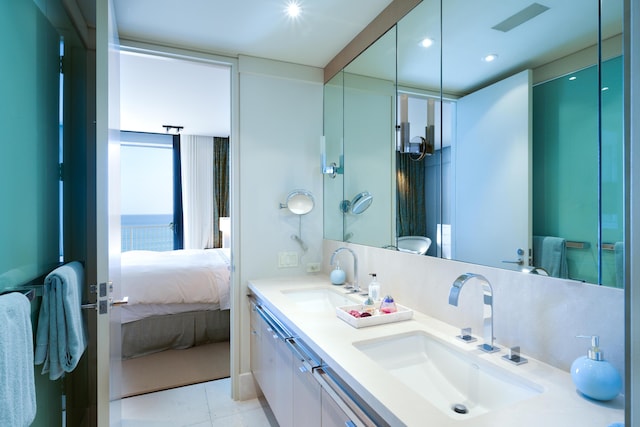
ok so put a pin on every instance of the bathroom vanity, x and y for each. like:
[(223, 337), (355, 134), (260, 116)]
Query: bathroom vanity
[(313, 366)]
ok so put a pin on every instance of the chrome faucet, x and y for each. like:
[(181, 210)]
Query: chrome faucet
[(454, 293), (354, 287)]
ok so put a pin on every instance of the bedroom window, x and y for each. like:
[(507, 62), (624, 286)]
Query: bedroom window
[(147, 202)]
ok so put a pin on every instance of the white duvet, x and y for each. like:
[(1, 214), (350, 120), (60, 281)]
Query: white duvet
[(189, 276)]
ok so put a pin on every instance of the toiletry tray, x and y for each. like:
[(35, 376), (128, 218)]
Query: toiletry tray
[(403, 313)]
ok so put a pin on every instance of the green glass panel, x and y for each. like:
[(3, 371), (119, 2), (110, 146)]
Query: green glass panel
[(565, 165)]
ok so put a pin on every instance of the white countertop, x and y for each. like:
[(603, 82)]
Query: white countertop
[(332, 339)]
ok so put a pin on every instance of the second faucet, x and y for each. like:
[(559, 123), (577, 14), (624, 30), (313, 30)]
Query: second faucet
[(355, 287), (454, 294)]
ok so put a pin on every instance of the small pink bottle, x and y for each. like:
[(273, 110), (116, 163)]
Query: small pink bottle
[(388, 305)]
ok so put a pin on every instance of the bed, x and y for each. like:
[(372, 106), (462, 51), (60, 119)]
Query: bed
[(177, 299)]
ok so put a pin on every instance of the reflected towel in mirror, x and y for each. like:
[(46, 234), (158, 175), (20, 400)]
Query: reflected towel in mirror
[(550, 253)]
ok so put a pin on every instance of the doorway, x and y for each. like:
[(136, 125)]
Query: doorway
[(162, 96)]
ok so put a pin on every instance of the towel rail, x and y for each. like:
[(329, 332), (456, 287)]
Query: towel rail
[(29, 293), (586, 245), (578, 245)]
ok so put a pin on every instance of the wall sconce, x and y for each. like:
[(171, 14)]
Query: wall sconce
[(331, 169), (417, 147)]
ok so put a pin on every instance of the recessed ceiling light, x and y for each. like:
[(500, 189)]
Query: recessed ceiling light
[(490, 58), (293, 9), (426, 42)]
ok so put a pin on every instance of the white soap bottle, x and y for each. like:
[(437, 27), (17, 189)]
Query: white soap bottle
[(374, 288)]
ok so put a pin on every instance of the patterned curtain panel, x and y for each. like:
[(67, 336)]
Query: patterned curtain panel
[(220, 185), (411, 218)]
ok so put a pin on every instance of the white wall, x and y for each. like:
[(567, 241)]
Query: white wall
[(280, 124), (540, 314)]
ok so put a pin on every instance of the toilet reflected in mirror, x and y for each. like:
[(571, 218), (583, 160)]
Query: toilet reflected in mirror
[(414, 244)]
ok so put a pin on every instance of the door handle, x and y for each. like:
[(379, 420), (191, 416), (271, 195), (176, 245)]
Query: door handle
[(519, 261), (118, 303), (112, 303)]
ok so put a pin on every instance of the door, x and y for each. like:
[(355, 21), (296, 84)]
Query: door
[(107, 218), (491, 212)]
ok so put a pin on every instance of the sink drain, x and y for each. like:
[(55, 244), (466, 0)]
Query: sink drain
[(459, 408)]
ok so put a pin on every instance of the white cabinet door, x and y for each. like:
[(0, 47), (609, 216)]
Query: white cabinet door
[(306, 396), (268, 365), (332, 414), (274, 373), (283, 384), (256, 346)]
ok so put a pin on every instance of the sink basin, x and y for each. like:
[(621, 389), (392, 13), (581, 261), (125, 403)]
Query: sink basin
[(461, 385), (320, 299), (414, 244)]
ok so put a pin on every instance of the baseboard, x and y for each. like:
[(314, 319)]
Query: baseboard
[(248, 387)]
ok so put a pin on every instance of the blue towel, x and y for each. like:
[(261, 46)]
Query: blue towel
[(550, 253), (61, 339), (17, 386)]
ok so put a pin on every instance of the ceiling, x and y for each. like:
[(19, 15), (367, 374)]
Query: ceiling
[(261, 28), (249, 27), (466, 35), (157, 91)]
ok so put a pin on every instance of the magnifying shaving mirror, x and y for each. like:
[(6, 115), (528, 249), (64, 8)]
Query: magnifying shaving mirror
[(299, 202), (358, 204)]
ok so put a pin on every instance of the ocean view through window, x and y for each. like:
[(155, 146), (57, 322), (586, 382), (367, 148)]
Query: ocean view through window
[(146, 168), (147, 232)]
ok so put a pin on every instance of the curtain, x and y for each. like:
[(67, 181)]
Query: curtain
[(178, 236), (220, 185), (197, 191), (411, 218)]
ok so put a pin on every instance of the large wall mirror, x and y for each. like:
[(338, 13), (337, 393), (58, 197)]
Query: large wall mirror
[(490, 130)]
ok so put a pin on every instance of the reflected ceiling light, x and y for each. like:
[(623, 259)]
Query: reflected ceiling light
[(572, 78), (605, 88), (293, 9), (490, 58), (426, 42)]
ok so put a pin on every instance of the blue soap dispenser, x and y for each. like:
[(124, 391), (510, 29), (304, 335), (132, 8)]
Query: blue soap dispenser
[(595, 377), (338, 276)]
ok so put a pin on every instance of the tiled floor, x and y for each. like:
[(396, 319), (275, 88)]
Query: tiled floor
[(199, 405)]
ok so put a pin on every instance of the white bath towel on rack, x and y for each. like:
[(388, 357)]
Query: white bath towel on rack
[(17, 387), (60, 339)]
